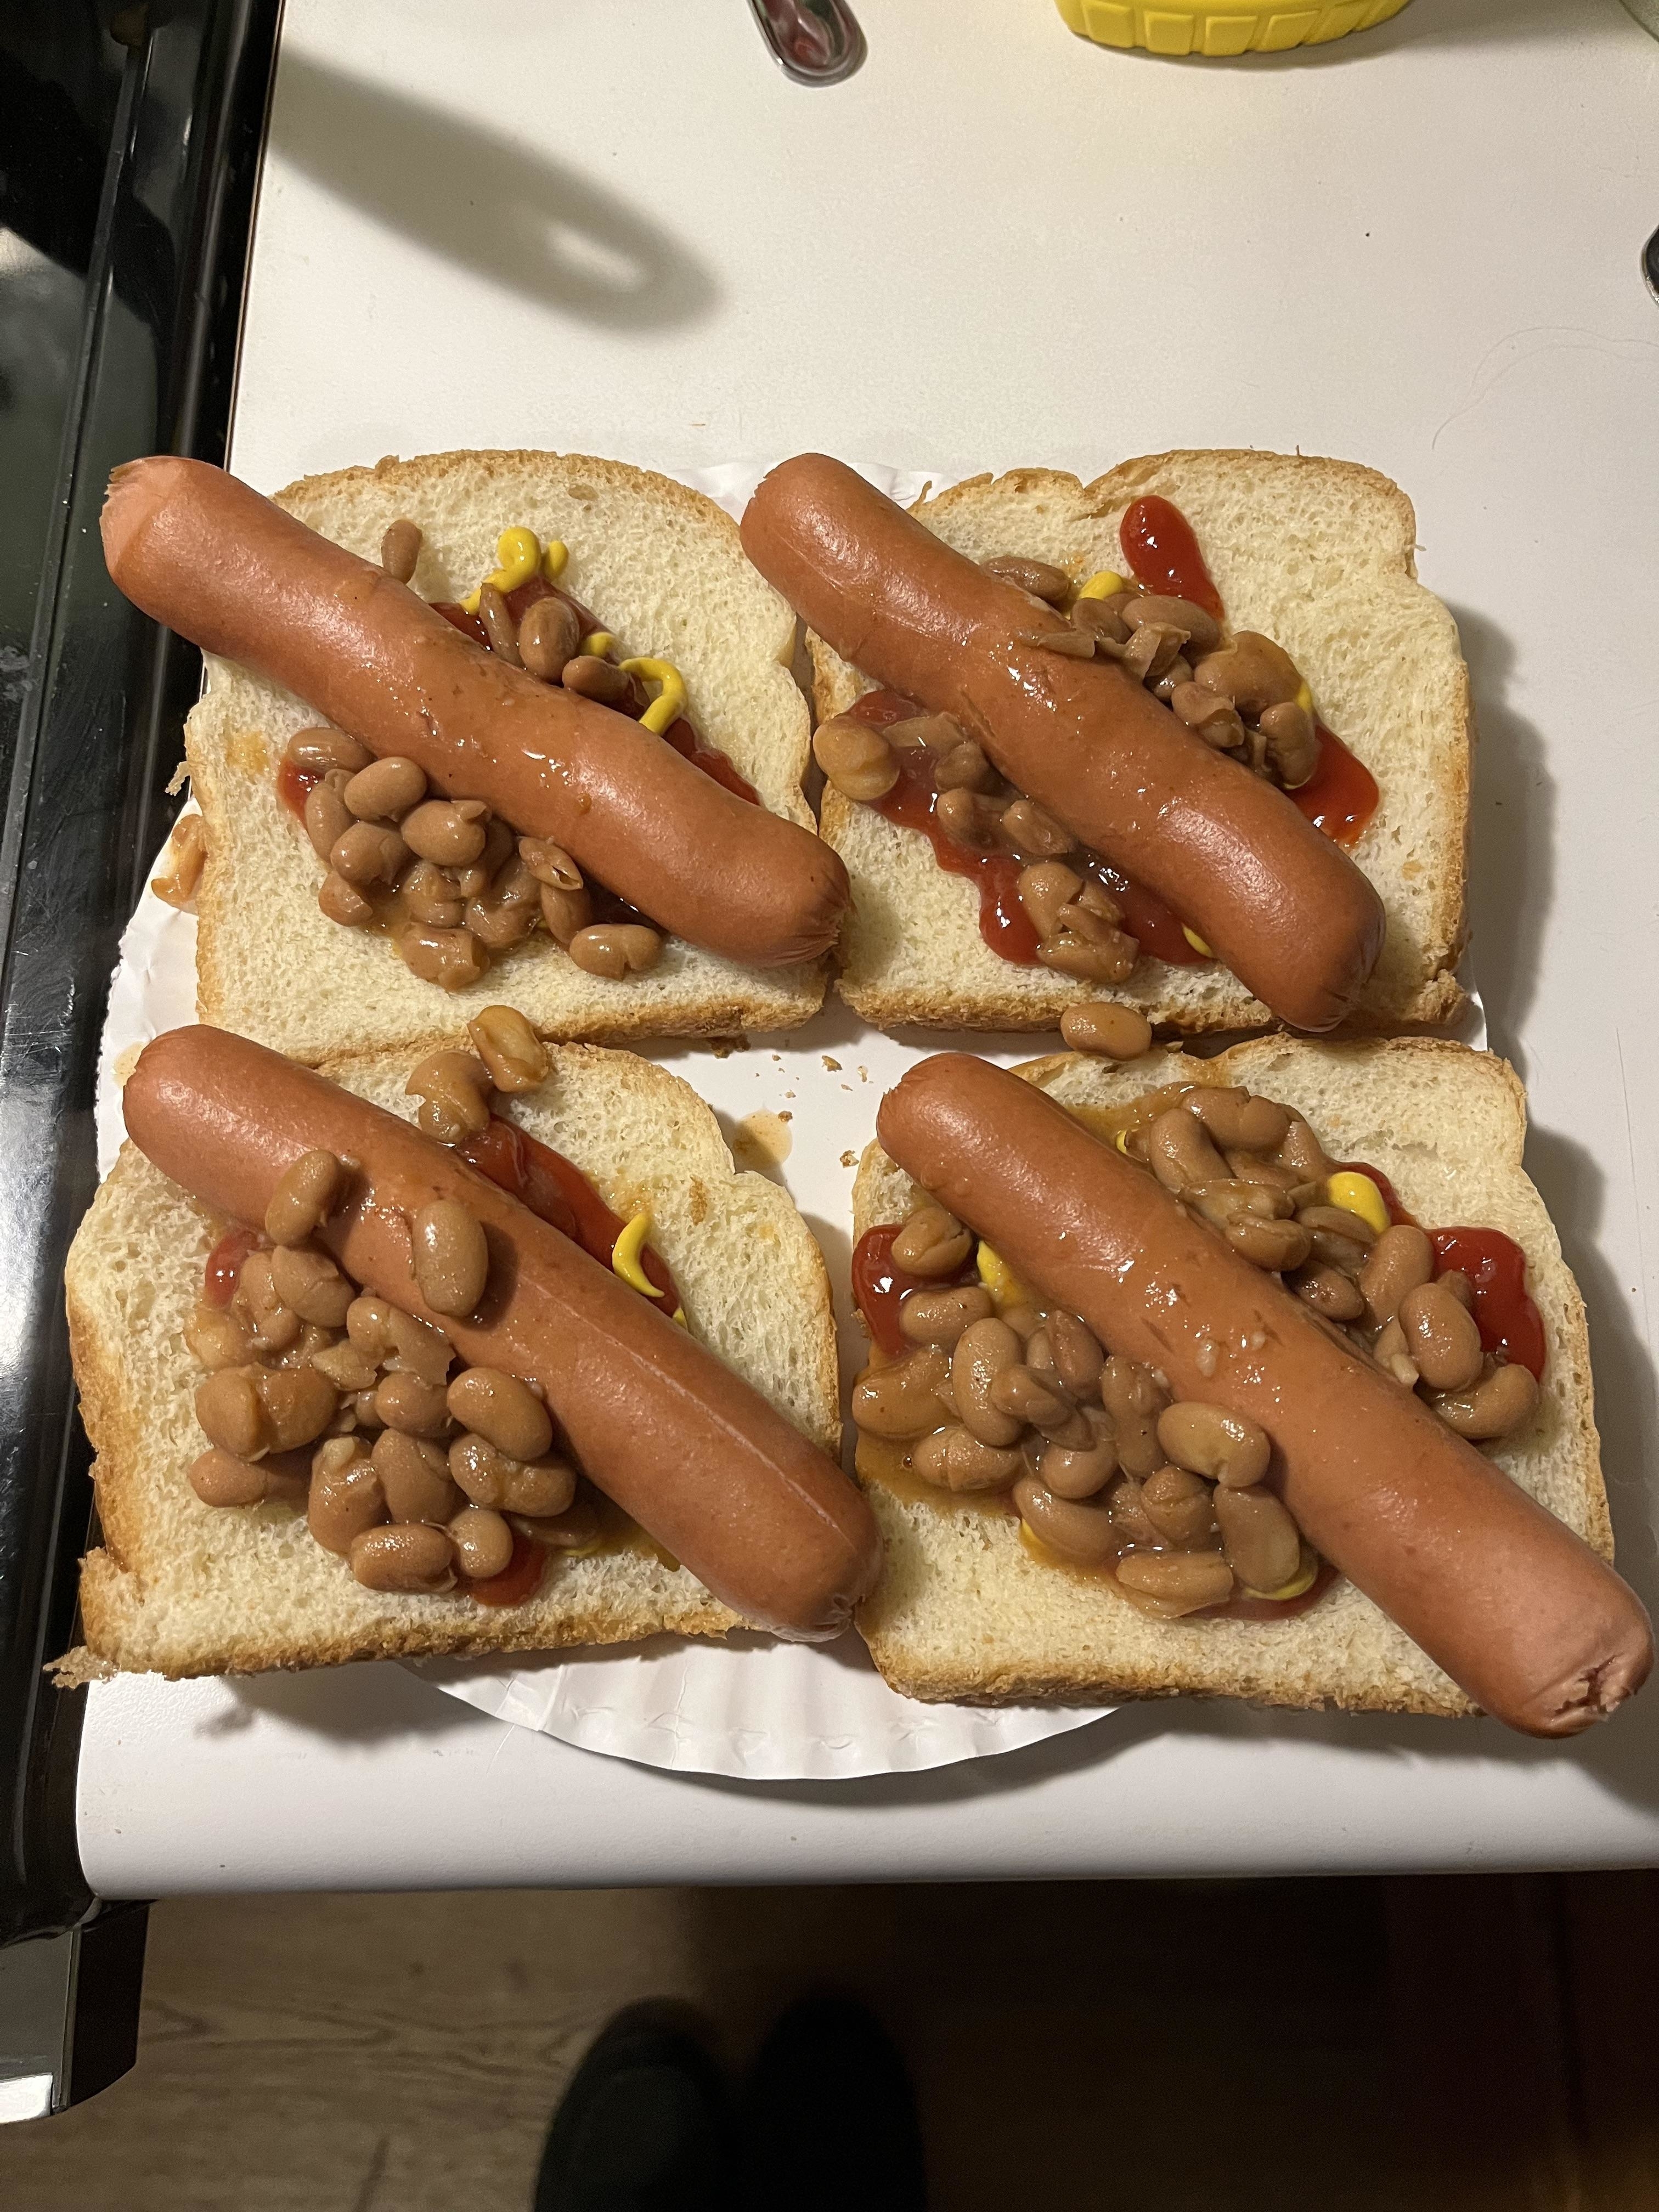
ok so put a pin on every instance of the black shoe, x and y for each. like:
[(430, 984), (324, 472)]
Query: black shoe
[(645, 2126), (829, 2118)]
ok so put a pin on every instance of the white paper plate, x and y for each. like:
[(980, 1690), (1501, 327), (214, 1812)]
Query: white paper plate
[(752, 1708)]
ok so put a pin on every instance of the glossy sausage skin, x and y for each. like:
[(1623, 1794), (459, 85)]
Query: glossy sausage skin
[(232, 572), (1285, 908), (701, 1460), (1522, 1616)]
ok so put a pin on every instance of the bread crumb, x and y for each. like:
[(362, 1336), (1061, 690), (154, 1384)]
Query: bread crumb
[(762, 1140), (832, 1065), (848, 1159), (723, 1048), (864, 1075), (783, 1112)]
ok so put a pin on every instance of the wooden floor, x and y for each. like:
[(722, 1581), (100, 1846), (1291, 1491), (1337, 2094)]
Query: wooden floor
[(1479, 2045)]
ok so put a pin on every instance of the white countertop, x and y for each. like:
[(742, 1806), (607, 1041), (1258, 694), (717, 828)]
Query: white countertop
[(613, 226)]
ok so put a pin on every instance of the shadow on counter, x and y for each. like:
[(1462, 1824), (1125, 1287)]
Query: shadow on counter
[(509, 212)]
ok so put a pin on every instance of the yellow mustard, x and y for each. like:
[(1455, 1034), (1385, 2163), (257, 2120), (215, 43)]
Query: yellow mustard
[(1357, 1193), (625, 1256), (669, 704), (1196, 942), (998, 1278), (1102, 585)]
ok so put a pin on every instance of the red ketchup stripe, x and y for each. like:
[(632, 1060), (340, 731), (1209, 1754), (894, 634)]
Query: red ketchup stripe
[(1164, 555), (557, 1189)]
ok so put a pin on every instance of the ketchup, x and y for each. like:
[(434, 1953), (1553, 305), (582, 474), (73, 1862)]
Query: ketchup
[(295, 784), (1340, 796), (1003, 922), (557, 1189), (1509, 1321), (223, 1270), (519, 1579), (1164, 555), (878, 1286)]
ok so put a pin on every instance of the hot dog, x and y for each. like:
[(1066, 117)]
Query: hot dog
[(209, 557), (1287, 911), (703, 1462), (1522, 1615)]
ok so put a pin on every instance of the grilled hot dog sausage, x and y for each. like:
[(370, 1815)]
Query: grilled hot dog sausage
[(700, 1459), (1285, 908), (1521, 1614), (207, 555)]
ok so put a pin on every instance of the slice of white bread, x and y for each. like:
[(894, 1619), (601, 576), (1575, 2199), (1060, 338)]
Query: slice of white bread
[(964, 1612), (662, 567), (180, 1588), (1318, 555)]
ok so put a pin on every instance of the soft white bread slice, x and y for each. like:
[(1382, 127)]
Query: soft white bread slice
[(180, 1588), (963, 1611), (662, 567), (1317, 554)]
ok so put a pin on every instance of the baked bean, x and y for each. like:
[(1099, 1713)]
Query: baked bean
[(1025, 1321), (453, 1088), (319, 750), (1018, 1393), (1337, 1237), (1042, 580), (311, 1284), (1073, 644), (1228, 1448), (1201, 631), (1235, 1118), (1123, 1501), (346, 1496), (614, 949), (543, 1488), (386, 790), (1300, 1150), (176, 881), (548, 638), (367, 853), (1134, 1400), (1103, 1026), (360, 1404), (1084, 1470), (218, 1478), (400, 549), (275, 1326), (1102, 618), (505, 915), (1078, 1355), (1251, 673), (504, 1410), (500, 627), (218, 1336), (969, 818), (938, 734), (1441, 1336), (549, 864), (308, 1191), (349, 1370), (576, 1530), (1233, 1199), (932, 1242), (1292, 742), (327, 817), (854, 757), (940, 1316), (1260, 1540), (589, 677), (1181, 1508), (1278, 1246), (1085, 1534), (483, 1539), (414, 1560), (1393, 1355), (398, 1340), (1046, 889), (1184, 1582), (1504, 1399), (453, 959), (404, 1401), (1089, 956), (1181, 1153), (1251, 1167), (565, 912), (983, 1352), (343, 902), (430, 897), (1040, 1359), (1031, 833), (474, 878), (1214, 719), (414, 1474), (299, 1404), (954, 1459), (903, 1400), (452, 1257), (964, 768), (450, 831), (1328, 1292)]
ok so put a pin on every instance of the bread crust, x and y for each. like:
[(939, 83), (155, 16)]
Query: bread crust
[(1294, 540), (963, 1613)]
